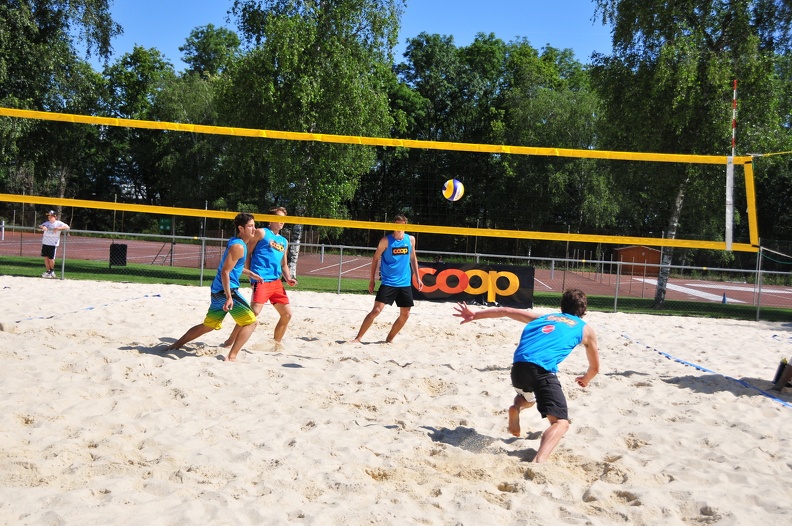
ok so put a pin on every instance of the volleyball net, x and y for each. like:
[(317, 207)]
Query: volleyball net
[(728, 163)]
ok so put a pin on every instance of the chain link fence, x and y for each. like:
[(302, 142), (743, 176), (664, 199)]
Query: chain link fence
[(611, 285)]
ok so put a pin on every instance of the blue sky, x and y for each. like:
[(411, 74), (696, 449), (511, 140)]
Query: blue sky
[(165, 24)]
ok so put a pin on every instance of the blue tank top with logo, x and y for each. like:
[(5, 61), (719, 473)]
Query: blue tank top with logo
[(395, 270), (549, 339), (267, 256)]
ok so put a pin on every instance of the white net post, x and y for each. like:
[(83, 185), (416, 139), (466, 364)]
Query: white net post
[(729, 202)]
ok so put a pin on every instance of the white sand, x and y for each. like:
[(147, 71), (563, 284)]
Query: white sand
[(98, 427)]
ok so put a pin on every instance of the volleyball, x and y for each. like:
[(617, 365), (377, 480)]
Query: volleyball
[(453, 190)]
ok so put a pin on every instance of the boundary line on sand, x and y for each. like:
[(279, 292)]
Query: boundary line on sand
[(704, 369)]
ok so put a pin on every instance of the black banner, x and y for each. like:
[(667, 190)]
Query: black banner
[(508, 285)]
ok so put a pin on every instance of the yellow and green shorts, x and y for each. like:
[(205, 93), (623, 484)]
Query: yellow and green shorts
[(241, 311)]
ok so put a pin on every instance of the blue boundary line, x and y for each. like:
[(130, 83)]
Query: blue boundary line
[(704, 369), (87, 308)]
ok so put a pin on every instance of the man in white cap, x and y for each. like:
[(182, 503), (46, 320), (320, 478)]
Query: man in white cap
[(50, 241)]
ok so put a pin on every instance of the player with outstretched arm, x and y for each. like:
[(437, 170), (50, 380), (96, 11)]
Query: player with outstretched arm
[(545, 342)]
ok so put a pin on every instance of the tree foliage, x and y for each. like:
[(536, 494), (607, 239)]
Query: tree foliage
[(40, 69), (134, 155), (209, 50), (668, 88), (312, 67)]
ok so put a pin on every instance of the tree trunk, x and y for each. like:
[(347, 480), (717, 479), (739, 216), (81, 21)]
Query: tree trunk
[(63, 180), (295, 233), (668, 252), (294, 249)]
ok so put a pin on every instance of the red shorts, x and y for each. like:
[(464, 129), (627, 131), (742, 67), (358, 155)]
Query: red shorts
[(270, 290)]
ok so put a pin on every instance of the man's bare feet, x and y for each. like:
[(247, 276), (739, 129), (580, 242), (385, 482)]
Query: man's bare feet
[(227, 343), (514, 420), (356, 340)]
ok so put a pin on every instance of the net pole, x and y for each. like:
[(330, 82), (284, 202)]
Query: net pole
[(734, 121), (730, 175)]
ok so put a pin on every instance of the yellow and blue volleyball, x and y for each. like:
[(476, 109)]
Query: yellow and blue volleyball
[(453, 190)]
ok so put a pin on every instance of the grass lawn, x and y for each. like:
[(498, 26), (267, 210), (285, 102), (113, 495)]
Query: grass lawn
[(137, 273)]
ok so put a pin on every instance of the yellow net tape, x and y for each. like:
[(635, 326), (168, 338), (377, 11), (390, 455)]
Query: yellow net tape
[(372, 141), (374, 225), (404, 143)]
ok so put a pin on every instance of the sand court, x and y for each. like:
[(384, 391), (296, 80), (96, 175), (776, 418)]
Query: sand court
[(98, 425)]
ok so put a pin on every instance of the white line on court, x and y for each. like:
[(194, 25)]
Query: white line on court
[(744, 288), (356, 268), (691, 292), (336, 264), (545, 285)]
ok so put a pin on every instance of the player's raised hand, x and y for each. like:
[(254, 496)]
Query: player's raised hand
[(464, 312)]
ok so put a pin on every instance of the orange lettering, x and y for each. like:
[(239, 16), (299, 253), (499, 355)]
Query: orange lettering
[(488, 282), (442, 280)]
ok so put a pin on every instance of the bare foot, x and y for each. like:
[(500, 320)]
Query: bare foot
[(356, 340), (230, 358), (514, 420), (227, 343)]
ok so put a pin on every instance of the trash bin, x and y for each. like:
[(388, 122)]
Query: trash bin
[(118, 255)]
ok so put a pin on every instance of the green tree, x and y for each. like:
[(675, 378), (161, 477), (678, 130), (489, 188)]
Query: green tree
[(444, 93), (491, 92), (312, 67), (65, 155), (549, 103), (135, 155), (667, 88), (434, 72), (208, 50), (40, 69), (191, 166)]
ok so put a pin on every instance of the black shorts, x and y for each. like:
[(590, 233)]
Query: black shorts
[(48, 251), (402, 295), (544, 384)]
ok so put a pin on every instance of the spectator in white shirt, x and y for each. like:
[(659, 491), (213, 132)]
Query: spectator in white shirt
[(50, 241)]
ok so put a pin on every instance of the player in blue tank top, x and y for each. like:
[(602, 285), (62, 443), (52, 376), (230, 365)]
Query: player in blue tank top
[(233, 275), (225, 294), (396, 261), (395, 257), (267, 263), (545, 342)]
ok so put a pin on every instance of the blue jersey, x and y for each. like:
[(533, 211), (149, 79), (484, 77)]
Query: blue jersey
[(395, 270), (267, 256), (547, 340), (217, 284)]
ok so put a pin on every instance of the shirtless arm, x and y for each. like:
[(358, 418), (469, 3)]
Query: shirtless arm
[(592, 355), (468, 315), (375, 262), (251, 245), (234, 253), (414, 264)]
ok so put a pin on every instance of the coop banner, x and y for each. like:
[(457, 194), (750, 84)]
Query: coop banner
[(484, 284)]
